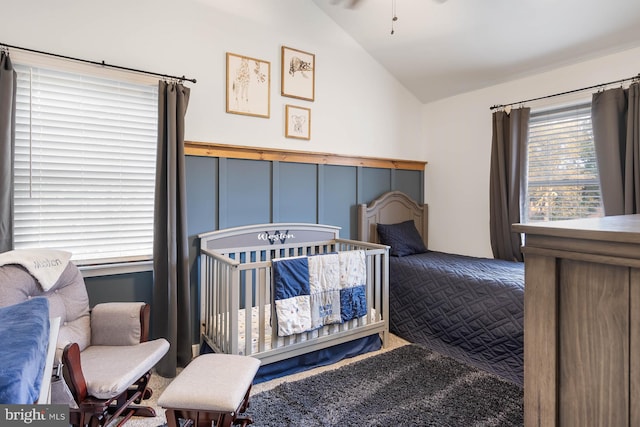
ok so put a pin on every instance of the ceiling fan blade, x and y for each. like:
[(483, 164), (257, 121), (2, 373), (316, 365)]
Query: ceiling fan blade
[(348, 4)]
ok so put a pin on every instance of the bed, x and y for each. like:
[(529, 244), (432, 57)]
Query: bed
[(241, 311), (465, 307)]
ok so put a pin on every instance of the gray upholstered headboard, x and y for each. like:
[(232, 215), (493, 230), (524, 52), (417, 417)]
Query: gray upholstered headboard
[(391, 208)]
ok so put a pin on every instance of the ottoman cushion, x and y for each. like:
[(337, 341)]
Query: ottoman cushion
[(211, 382)]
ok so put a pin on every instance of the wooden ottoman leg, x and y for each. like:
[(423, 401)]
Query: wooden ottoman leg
[(172, 418), (245, 402), (243, 420)]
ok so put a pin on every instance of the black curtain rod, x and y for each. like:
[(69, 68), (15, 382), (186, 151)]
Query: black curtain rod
[(102, 63), (636, 77)]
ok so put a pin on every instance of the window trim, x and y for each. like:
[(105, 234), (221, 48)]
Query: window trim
[(101, 270)]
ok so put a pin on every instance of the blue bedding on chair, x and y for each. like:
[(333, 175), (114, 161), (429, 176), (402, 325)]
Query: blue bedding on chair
[(24, 337)]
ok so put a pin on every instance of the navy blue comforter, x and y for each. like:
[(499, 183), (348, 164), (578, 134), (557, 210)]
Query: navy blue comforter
[(468, 308)]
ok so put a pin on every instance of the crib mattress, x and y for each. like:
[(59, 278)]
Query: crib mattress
[(255, 323), (255, 331)]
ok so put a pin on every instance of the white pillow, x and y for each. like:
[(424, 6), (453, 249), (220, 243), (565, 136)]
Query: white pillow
[(46, 265)]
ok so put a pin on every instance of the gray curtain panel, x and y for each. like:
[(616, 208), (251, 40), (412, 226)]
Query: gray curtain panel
[(608, 118), (170, 307), (615, 116), (507, 181), (8, 80)]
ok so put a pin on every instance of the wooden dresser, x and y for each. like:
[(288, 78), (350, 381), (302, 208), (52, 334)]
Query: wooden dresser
[(582, 322)]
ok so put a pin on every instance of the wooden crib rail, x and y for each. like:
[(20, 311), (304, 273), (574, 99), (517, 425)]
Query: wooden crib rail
[(237, 297)]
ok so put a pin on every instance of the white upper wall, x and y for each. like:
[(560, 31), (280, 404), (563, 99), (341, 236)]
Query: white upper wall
[(458, 146), (359, 108)]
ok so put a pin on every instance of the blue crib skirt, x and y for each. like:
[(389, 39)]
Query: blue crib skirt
[(314, 359)]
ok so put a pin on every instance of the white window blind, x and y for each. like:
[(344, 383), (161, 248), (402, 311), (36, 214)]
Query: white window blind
[(562, 176), (84, 165)]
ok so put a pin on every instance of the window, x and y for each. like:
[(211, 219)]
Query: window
[(562, 178), (85, 165)]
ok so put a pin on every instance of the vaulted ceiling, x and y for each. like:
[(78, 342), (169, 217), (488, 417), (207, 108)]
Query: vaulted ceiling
[(442, 48)]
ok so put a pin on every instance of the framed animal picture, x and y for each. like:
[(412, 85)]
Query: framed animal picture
[(297, 122), (248, 85), (298, 74)]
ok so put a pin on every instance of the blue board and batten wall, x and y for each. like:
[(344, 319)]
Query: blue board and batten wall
[(225, 192)]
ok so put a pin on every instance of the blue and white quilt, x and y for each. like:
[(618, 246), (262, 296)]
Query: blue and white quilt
[(319, 290)]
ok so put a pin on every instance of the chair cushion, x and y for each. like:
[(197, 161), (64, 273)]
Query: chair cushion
[(116, 323), (110, 370), (211, 382)]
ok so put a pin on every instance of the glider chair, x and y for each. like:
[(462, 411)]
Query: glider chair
[(104, 354)]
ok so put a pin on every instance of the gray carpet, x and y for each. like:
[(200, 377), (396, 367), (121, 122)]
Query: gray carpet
[(408, 386)]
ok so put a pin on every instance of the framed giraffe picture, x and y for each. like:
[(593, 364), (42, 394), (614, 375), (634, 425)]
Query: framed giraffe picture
[(297, 122), (248, 85), (298, 74)]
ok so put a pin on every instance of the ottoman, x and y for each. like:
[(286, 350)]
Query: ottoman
[(212, 388)]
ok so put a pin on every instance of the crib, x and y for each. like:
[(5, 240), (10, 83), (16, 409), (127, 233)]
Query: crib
[(237, 309)]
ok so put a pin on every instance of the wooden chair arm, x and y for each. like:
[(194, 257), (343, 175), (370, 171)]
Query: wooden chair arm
[(72, 371), (145, 314)]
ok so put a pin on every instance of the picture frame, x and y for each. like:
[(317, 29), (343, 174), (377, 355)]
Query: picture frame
[(248, 86), (297, 122), (298, 74)]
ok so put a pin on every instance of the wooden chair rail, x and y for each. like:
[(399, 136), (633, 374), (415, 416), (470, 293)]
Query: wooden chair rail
[(207, 149)]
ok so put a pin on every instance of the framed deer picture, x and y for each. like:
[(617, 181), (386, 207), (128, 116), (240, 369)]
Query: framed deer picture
[(298, 74), (248, 85), (297, 122)]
